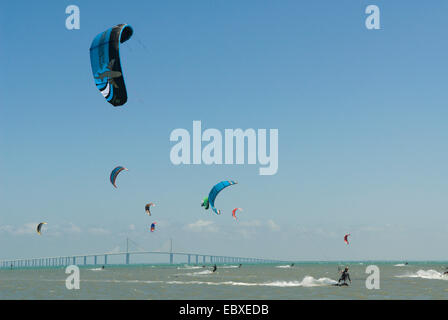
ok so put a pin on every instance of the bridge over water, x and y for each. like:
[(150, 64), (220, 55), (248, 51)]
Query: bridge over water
[(128, 258)]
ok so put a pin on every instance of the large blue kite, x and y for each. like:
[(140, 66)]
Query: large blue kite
[(106, 66), (210, 200)]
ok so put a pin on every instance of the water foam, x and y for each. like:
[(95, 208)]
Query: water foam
[(287, 266), (189, 267), (307, 281), (199, 273), (425, 274), (228, 267)]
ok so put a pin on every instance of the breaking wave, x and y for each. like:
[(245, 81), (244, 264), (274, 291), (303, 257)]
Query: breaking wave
[(199, 273), (287, 266), (186, 267), (425, 274), (307, 281), (228, 267)]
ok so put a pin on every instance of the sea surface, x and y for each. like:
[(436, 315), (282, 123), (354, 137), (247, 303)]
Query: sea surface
[(311, 280)]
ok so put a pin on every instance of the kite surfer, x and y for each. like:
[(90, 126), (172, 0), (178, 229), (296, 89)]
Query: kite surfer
[(344, 276)]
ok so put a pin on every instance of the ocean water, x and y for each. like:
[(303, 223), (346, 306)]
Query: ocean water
[(422, 280)]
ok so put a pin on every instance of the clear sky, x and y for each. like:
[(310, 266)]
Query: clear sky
[(362, 119)]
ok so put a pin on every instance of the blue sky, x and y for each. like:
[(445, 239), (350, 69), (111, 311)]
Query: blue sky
[(361, 116)]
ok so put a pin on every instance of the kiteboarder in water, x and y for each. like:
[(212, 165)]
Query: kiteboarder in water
[(344, 277), (214, 268)]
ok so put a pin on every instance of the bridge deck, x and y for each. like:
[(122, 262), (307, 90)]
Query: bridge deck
[(180, 257)]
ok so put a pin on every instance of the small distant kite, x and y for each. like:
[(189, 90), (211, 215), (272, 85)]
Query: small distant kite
[(114, 174), (346, 238), (39, 227), (210, 200), (148, 207), (234, 212), (153, 226)]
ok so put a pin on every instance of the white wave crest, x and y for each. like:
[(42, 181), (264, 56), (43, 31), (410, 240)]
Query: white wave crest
[(228, 267), (287, 266), (307, 281), (426, 274), (199, 273), (189, 267)]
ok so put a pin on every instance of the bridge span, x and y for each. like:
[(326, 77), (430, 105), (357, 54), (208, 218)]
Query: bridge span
[(134, 257)]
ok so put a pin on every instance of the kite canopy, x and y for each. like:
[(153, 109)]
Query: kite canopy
[(153, 226), (346, 238), (234, 212), (114, 174), (39, 227), (214, 192), (106, 65), (148, 206)]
